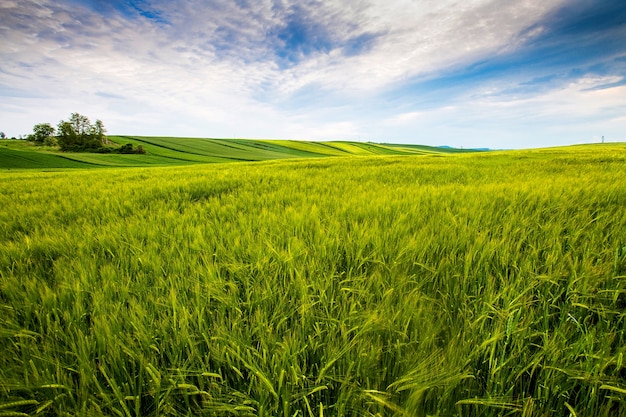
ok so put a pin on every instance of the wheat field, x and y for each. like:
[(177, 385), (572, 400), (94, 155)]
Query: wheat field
[(488, 284)]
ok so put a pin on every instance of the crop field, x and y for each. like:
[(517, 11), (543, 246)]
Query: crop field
[(432, 284), (164, 151), (12, 159)]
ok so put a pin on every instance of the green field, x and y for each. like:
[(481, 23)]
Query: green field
[(480, 284), (164, 151)]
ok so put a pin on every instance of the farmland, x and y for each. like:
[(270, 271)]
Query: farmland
[(164, 151), (412, 283)]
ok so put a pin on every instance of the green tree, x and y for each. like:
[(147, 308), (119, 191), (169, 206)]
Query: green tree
[(98, 131), (41, 132), (66, 136), (80, 124), (78, 134)]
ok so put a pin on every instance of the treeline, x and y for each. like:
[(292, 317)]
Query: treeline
[(78, 134)]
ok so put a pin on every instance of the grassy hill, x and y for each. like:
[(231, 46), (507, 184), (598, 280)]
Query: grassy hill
[(162, 151), (484, 284)]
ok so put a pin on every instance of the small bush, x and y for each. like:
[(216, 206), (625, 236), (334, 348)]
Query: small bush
[(50, 141), (128, 149)]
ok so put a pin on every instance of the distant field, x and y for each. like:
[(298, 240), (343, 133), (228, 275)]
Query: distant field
[(483, 284), (163, 151), (25, 158)]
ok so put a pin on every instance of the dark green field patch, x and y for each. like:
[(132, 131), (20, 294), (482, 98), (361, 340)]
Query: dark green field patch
[(13, 159)]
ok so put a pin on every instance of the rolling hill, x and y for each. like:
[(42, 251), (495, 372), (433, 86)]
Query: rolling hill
[(163, 151)]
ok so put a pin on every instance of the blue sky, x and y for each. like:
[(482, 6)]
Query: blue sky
[(473, 73)]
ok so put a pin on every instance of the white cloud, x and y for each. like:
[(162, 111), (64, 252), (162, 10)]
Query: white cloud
[(235, 47), (215, 70), (421, 38), (576, 113)]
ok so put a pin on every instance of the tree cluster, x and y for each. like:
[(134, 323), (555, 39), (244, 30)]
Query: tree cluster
[(78, 134), (43, 134)]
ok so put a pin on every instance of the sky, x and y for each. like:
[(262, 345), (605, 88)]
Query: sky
[(470, 73)]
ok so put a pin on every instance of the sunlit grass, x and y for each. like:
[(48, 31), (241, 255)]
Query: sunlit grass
[(485, 284)]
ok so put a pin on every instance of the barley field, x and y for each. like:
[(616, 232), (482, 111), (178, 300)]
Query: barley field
[(489, 284)]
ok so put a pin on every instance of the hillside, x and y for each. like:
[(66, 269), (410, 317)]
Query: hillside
[(163, 151)]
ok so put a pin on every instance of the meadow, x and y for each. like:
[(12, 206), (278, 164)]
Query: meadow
[(483, 284)]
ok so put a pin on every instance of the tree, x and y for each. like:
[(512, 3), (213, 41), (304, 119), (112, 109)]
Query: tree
[(98, 131), (80, 124), (78, 134), (2, 135), (41, 132), (66, 136)]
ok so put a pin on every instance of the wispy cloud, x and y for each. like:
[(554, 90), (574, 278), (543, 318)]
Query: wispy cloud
[(310, 69)]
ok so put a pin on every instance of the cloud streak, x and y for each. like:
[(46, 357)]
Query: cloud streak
[(397, 70)]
